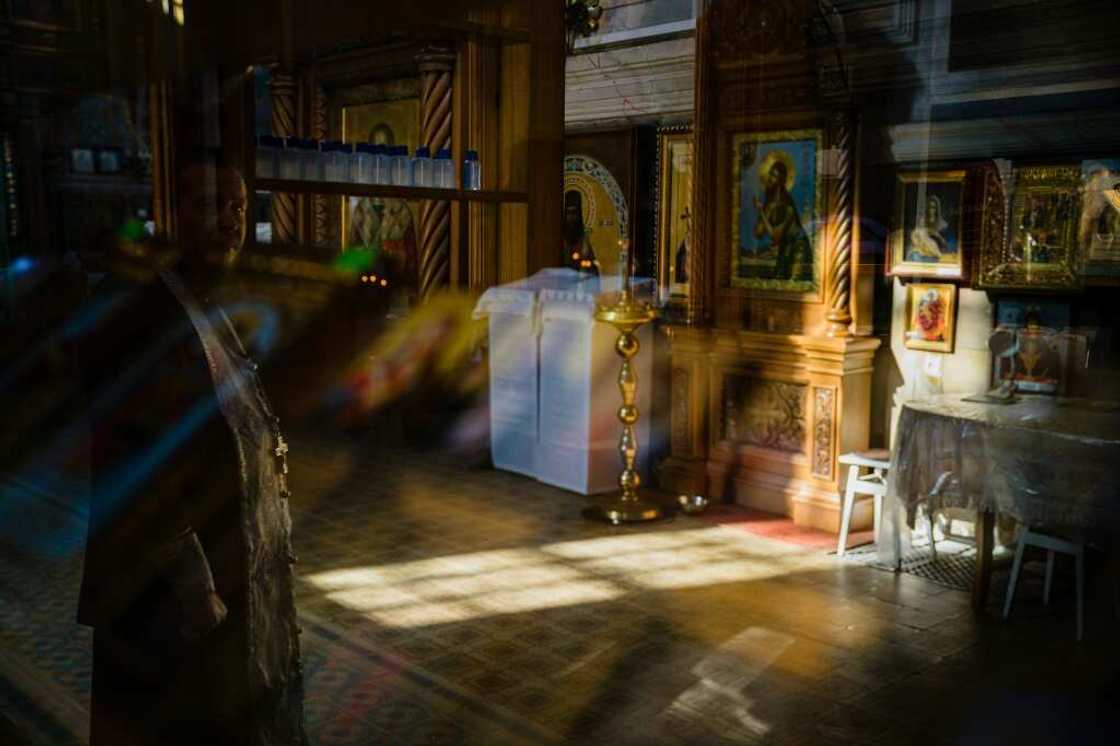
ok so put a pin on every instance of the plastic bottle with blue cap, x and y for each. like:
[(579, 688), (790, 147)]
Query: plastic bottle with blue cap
[(472, 171), (445, 169)]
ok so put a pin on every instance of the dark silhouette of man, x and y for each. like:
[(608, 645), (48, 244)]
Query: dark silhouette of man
[(187, 580)]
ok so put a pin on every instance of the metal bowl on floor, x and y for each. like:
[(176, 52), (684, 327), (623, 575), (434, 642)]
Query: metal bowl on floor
[(692, 504)]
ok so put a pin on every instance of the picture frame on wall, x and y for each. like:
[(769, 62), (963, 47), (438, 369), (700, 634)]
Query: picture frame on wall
[(388, 226), (1099, 222), (776, 212), (928, 236), (604, 194), (1041, 250), (674, 213), (930, 316)]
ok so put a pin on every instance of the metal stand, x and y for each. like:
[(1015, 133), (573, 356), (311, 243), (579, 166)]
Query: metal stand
[(626, 314)]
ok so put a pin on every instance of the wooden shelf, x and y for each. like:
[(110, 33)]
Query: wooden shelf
[(289, 186)]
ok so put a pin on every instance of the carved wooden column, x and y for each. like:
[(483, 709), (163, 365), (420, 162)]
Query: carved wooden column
[(162, 136), (476, 90), (284, 88), (436, 66), (703, 164), (840, 229)]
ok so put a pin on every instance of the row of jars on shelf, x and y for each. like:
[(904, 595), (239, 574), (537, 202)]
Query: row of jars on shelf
[(295, 158)]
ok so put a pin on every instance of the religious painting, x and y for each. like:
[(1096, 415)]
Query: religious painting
[(930, 316), (776, 211), (1035, 363), (596, 216), (383, 225), (1099, 223), (1042, 250), (674, 213), (928, 235)]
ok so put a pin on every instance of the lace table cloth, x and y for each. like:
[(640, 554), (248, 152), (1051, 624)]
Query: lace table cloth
[(1045, 461)]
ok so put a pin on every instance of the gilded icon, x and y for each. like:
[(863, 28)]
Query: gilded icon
[(1042, 249), (383, 224), (930, 316), (674, 213), (776, 211), (928, 235), (596, 217), (1099, 223)]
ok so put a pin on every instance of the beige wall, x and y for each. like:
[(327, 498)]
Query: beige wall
[(966, 370)]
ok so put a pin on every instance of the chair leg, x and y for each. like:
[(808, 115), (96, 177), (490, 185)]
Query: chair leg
[(932, 538), (1080, 560), (896, 524), (878, 514), (1049, 577), (846, 511), (1015, 567)]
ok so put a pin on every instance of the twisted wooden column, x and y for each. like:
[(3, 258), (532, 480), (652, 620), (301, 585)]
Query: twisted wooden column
[(840, 231), (284, 88), (436, 65), (703, 174)]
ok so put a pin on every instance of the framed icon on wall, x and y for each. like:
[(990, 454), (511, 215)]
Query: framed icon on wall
[(928, 236)]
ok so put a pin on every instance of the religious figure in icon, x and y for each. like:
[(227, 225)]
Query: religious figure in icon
[(577, 245), (776, 211), (384, 224), (778, 225), (927, 240), (680, 258)]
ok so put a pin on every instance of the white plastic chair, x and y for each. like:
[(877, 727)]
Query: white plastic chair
[(1051, 544), (873, 483)]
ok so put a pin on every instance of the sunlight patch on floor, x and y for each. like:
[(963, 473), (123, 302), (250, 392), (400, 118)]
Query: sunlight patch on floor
[(509, 581)]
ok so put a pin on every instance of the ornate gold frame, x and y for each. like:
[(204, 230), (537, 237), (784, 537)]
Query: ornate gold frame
[(819, 205), (1002, 267), (950, 314), (667, 137), (897, 265)]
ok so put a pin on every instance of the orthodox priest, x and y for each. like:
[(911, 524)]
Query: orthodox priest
[(187, 580)]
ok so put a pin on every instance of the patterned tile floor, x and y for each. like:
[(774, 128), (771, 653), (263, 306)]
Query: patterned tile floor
[(444, 604)]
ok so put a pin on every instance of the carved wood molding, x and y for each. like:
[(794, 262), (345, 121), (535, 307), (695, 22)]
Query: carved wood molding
[(756, 33), (840, 228), (436, 67), (680, 437), (703, 174), (162, 137), (10, 186), (320, 204), (824, 404), (284, 89)]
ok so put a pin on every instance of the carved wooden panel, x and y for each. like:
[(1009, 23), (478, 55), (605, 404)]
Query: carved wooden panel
[(824, 406), (891, 21), (758, 32), (764, 413), (680, 419)]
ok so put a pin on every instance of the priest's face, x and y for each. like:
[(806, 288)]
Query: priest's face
[(212, 213)]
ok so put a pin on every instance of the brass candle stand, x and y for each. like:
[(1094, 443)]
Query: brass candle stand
[(627, 314)]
